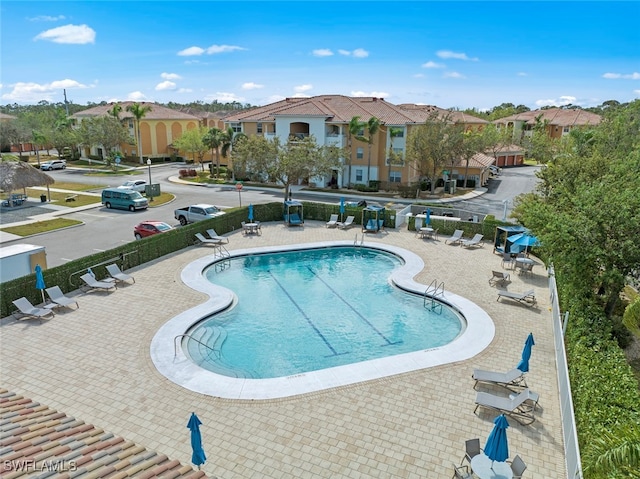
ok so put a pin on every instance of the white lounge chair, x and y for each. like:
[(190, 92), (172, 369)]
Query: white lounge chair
[(333, 221), (512, 378), (347, 223), (30, 311), (116, 273), (92, 283), (200, 237), (58, 298), (528, 297), (519, 408), (455, 238), (215, 236), (475, 241), (499, 277)]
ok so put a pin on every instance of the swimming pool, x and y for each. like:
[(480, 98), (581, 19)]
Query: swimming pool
[(301, 311), (171, 361)]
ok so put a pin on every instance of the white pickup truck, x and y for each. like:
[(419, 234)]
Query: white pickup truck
[(193, 213)]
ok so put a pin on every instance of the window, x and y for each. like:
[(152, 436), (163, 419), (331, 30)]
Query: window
[(358, 175), (259, 128), (236, 127), (565, 130), (395, 177), (359, 153), (360, 132), (396, 132)]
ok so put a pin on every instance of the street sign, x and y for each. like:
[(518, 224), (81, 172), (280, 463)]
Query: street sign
[(117, 160), (238, 186)]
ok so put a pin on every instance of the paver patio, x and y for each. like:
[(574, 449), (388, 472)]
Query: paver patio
[(94, 363)]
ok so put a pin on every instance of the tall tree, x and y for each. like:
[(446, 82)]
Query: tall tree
[(353, 131), (106, 131), (115, 111), (192, 141), (373, 126), (139, 112), (213, 139)]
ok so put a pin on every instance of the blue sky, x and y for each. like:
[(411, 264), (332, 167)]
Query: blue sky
[(449, 54)]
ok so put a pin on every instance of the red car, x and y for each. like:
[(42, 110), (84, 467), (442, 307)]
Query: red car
[(148, 228)]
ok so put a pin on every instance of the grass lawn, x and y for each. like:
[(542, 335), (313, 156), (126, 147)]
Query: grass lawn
[(41, 226)]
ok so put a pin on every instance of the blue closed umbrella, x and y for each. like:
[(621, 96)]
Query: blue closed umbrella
[(341, 208), (497, 448), (250, 213), (523, 365), (197, 457), (427, 220), (40, 280)]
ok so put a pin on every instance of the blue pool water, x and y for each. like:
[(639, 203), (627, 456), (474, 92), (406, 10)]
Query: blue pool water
[(302, 311)]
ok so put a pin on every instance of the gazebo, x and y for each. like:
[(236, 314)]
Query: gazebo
[(20, 175), (501, 243), (372, 218), (293, 215)]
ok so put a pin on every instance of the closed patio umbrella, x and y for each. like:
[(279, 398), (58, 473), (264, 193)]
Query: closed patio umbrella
[(250, 213), (523, 365), (341, 208), (497, 447), (198, 457), (40, 280), (427, 220)]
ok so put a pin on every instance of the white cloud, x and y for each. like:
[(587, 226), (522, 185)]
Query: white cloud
[(46, 18), (636, 92), (446, 54), (166, 85), (34, 92), (522, 74), (346, 53), (377, 94), (322, 52), (191, 51), (431, 64), (251, 86), (563, 100), (69, 34), (301, 95), (357, 53), (273, 99), (301, 88), (136, 96), (623, 76), (170, 76), (224, 97), (454, 75), (214, 49)]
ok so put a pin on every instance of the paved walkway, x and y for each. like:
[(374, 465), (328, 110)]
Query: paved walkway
[(94, 364)]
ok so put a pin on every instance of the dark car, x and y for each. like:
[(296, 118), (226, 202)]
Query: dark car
[(148, 228)]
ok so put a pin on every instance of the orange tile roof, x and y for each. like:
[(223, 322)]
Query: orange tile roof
[(556, 116), (158, 112)]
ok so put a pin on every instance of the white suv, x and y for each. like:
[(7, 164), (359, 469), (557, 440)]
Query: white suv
[(53, 165)]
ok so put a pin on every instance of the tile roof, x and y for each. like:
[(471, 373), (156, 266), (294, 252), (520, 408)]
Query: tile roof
[(341, 109), (479, 160), (158, 112), (35, 438), (556, 116)]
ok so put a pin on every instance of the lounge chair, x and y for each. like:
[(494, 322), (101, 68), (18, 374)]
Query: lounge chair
[(30, 311), (92, 283), (528, 297), (461, 472), (58, 298), (475, 241), (518, 467), (347, 223), (455, 238), (333, 221), (519, 408), (200, 237), (116, 273), (472, 449), (372, 226), (215, 236), (513, 378), (499, 277)]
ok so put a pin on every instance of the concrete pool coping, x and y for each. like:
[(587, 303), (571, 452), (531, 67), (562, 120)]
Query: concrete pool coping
[(171, 361)]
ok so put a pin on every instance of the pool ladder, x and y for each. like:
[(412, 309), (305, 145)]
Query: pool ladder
[(431, 293), (355, 241)]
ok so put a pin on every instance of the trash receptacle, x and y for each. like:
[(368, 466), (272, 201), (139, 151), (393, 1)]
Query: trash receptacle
[(43, 198)]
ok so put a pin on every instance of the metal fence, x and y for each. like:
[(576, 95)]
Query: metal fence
[(571, 447)]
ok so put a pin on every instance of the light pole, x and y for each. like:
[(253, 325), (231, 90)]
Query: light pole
[(150, 193)]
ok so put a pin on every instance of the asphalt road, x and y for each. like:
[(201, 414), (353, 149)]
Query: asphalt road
[(104, 229)]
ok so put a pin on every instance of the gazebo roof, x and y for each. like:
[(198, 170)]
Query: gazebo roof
[(15, 175)]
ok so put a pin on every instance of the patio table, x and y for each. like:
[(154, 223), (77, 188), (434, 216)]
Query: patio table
[(485, 468)]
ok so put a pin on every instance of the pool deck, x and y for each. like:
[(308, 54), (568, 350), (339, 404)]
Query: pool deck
[(94, 363)]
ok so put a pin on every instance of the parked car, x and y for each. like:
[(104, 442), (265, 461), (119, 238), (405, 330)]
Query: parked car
[(135, 185), (53, 165), (124, 199), (151, 227), (193, 213)]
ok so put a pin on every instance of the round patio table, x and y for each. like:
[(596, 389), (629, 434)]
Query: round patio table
[(485, 468)]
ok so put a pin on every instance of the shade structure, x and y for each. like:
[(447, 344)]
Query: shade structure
[(497, 447), (198, 457), (523, 365), (40, 280), (15, 175), (525, 240), (341, 208), (427, 220), (250, 213)]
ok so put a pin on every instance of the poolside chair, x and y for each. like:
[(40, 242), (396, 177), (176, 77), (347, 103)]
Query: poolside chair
[(29, 311), (294, 219), (116, 273), (518, 408), (333, 221), (475, 241), (508, 260), (499, 277), (512, 378), (347, 223), (371, 226), (59, 299), (472, 449), (461, 472), (200, 237), (455, 238), (215, 236), (92, 283), (528, 297), (518, 467)]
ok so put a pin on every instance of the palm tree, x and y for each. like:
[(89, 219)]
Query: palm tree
[(226, 139), (115, 111), (373, 125), (355, 125), (213, 139), (139, 112)]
